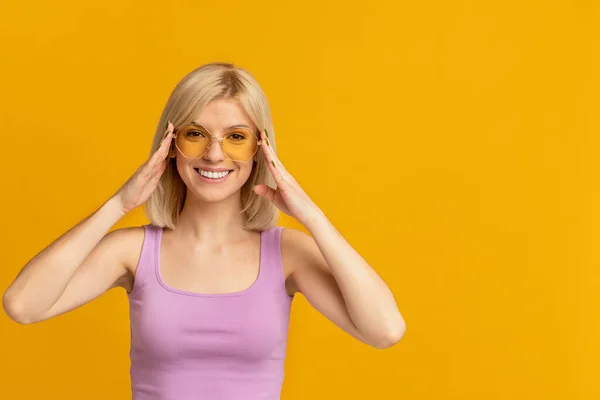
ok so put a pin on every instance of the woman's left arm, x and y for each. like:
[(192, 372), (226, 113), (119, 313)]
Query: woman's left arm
[(327, 270), (341, 285)]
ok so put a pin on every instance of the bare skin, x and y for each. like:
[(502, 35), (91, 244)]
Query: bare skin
[(209, 251), (86, 260)]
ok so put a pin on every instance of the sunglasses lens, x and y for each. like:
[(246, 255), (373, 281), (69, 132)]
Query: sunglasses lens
[(192, 142), (238, 145)]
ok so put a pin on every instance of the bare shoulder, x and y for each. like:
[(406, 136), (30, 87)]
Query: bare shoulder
[(126, 245), (298, 251), (293, 241)]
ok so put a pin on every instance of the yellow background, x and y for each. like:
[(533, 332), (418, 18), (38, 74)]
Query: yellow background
[(454, 143)]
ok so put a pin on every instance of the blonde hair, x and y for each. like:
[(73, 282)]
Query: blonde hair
[(195, 90)]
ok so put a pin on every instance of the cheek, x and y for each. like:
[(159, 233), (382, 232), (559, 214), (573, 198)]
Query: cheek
[(180, 164), (183, 167), (244, 169)]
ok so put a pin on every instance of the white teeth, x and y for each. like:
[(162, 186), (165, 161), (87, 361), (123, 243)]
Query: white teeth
[(213, 175)]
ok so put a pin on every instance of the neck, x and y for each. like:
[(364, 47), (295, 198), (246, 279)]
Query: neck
[(214, 222)]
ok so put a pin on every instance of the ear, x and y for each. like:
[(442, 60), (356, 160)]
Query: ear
[(172, 151)]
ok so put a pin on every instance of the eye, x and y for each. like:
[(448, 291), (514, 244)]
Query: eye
[(236, 137), (194, 134)]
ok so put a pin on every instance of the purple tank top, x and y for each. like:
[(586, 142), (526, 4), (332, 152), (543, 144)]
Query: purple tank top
[(192, 346)]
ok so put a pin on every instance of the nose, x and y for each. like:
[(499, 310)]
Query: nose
[(214, 152)]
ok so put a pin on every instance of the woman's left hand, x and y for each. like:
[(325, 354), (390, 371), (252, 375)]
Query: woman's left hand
[(289, 196)]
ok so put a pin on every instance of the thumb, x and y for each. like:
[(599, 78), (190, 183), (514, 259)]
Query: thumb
[(265, 191)]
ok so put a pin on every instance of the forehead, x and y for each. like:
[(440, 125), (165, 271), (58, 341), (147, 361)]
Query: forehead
[(223, 113)]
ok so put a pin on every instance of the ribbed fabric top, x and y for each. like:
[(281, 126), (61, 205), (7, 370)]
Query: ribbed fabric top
[(192, 346)]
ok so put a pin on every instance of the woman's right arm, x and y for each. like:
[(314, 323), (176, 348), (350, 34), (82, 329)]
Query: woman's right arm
[(85, 261), (43, 287)]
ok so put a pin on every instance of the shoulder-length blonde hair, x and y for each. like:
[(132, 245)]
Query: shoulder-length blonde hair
[(195, 90)]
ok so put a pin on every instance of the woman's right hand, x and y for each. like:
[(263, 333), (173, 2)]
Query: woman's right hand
[(142, 183)]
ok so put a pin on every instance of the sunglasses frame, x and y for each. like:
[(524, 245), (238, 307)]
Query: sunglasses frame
[(213, 139)]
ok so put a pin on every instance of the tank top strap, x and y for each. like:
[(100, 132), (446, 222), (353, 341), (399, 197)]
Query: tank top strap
[(144, 273), (271, 264)]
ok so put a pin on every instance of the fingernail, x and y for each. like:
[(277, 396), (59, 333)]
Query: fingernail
[(267, 141), (273, 162), (266, 133), (167, 128)]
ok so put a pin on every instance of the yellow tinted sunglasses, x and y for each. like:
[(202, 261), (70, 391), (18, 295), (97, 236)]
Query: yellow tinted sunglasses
[(239, 143)]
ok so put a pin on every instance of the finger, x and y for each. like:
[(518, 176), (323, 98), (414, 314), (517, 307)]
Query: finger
[(270, 161), (150, 167), (162, 151), (157, 169), (265, 191), (274, 161), (273, 168), (271, 152), (158, 155), (151, 180), (160, 171), (267, 149), (168, 134), (169, 129)]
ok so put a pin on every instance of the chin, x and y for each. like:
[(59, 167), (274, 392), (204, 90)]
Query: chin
[(211, 196), (216, 189)]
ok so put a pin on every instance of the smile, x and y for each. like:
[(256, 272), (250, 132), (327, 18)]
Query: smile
[(211, 174)]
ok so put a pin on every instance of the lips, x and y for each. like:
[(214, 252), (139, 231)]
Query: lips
[(215, 175)]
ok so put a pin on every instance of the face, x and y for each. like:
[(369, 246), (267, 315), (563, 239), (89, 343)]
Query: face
[(225, 166)]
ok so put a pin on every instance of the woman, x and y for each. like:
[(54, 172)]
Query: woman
[(211, 279)]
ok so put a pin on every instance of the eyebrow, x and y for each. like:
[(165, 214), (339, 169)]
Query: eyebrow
[(229, 127)]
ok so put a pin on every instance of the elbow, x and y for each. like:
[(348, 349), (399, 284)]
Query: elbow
[(390, 336), (15, 310)]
